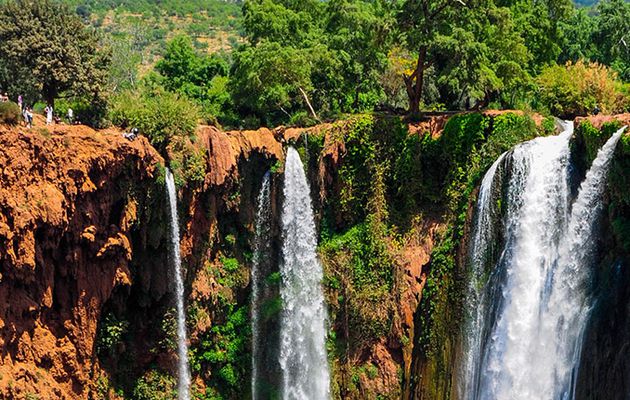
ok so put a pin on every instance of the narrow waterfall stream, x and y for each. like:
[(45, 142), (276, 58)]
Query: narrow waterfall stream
[(183, 381), (303, 358), (526, 318), (262, 246)]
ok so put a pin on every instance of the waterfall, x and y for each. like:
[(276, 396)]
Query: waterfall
[(262, 247), (534, 306), (480, 248), (183, 385), (565, 316), (303, 358)]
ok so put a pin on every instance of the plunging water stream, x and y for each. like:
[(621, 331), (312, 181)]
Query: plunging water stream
[(183, 382), (525, 322), (262, 247), (303, 359)]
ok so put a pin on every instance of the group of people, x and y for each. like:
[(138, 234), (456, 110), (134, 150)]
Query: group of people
[(27, 115), (27, 112)]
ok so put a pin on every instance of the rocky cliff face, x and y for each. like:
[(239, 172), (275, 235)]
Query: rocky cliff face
[(85, 296), (82, 251), (69, 202)]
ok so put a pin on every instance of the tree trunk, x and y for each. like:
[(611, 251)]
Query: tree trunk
[(50, 93), (415, 84), (308, 103)]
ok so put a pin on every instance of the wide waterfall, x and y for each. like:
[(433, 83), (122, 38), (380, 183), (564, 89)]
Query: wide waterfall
[(183, 385), (262, 247), (303, 358), (526, 314)]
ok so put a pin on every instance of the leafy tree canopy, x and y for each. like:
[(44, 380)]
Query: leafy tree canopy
[(47, 47)]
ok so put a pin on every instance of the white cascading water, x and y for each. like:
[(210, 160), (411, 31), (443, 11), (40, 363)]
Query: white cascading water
[(480, 246), (303, 358), (261, 247), (536, 216), (537, 321), (183, 381), (565, 315)]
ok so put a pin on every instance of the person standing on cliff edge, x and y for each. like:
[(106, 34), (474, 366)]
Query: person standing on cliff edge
[(49, 114)]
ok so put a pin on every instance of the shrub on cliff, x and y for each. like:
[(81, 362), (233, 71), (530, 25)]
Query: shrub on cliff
[(577, 89), (9, 113), (158, 114)]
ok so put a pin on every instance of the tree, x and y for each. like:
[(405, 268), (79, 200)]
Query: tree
[(341, 45), (43, 42), (184, 68), (577, 33), (611, 37), (123, 70), (577, 89), (289, 22), (360, 32), (269, 78), (198, 76), (425, 26)]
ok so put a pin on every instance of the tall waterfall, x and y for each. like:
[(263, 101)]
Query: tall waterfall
[(262, 247), (525, 333), (303, 358), (480, 249), (183, 383)]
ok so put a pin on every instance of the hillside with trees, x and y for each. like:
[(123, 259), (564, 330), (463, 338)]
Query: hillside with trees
[(299, 62)]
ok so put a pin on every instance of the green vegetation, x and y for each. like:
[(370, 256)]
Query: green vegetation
[(160, 115), (301, 62), (9, 113), (224, 352), (146, 25), (402, 179), (155, 385), (222, 355), (197, 76), (110, 334), (46, 50), (577, 89)]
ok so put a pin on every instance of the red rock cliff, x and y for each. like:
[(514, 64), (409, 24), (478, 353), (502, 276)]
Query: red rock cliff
[(65, 223)]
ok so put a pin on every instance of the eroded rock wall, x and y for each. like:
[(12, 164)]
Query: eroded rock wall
[(68, 205)]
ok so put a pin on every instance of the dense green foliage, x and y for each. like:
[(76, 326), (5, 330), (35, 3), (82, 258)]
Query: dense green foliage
[(330, 54), (598, 35), (46, 49), (222, 352), (300, 62), (578, 89), (160, 115), (197, 76), (155, 385)]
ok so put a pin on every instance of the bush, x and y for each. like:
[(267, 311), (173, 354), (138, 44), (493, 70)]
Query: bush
[(91, 112), (110, 334), (158, 114), (9, 113), (155, 386), (577, 89)]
